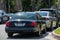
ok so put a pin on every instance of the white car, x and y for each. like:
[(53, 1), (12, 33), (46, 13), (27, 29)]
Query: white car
[(49, 19)]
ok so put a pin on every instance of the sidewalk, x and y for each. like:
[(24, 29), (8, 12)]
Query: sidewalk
[(50, 37)]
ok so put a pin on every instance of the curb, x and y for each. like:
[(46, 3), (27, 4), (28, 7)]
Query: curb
[(56, 35)]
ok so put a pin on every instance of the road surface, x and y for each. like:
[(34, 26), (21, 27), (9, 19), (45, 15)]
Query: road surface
[(3, 35)]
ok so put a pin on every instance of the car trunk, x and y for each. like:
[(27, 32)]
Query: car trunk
[(22, 23)]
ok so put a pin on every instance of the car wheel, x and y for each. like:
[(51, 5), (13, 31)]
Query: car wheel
[(51, 27), (10, 34), (44, 31)]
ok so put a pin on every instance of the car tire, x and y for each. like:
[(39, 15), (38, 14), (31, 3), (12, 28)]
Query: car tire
[(51, 27), (44, 31), (10, 34)]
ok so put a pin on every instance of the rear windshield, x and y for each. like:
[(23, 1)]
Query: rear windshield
[(24, 16), (43, 13)]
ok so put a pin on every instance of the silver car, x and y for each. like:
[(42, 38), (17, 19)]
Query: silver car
[(49, 18)]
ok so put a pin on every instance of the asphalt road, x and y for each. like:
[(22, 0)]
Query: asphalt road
[(3, 35)]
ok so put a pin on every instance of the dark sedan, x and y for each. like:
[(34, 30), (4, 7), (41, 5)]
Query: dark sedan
[(25, 23)]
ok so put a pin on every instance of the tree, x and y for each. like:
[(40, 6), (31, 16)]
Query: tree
[(10, 5), (26, 5), (13, 5), (38, 4)]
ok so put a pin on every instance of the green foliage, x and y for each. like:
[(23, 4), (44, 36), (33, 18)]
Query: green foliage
[(56, 2), (10, 5), (47, 3), (41, 5), (26, 5)]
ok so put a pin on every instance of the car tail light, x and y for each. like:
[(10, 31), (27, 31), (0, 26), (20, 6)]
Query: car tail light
[(32, 24), (7, 24)]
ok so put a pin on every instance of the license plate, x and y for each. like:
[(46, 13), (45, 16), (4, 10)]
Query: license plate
[(19, 24)]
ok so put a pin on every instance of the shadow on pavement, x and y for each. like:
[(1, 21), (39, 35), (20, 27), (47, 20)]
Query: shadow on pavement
[(2, 23), (28, 36)]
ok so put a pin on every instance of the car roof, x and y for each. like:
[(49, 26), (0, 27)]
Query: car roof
[(42, 11)]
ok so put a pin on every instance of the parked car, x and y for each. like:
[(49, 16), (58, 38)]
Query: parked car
[(25, 23), (49, 18), (3, 16), (55, 14)]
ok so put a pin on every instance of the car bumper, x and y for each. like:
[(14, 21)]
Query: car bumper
[(19, 30)]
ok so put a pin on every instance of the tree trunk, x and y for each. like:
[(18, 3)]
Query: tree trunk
[(18, 5), (33, 5), (38, 4), (2, 4)]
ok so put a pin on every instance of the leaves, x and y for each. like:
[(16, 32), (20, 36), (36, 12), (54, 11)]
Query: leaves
[(31, 5)]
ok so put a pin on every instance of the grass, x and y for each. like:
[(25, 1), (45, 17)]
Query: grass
[(57, 31)]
